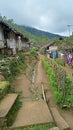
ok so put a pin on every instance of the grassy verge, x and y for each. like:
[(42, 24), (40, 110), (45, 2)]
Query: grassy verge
[(13, 112), (37, 127)]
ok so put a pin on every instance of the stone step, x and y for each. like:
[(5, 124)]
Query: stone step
[(33, 113), (60, 122), (6, 104)]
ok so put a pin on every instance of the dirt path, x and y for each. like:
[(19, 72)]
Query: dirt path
[(33, 104), (66, 114), (42, 78), (23, 84)]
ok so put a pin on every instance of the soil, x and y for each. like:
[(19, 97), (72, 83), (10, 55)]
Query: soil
[(22, 84)]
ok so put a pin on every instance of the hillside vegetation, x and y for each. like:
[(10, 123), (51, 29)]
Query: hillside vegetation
[(35, 39), (40, 32), (38, 37)]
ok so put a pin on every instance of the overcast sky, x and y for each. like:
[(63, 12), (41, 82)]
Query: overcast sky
[(49, 15)]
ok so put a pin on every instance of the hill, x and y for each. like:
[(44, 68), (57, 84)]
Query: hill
[(35, 36), (40, 32)]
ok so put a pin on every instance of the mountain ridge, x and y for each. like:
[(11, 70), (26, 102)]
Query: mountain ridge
[(36, 31)]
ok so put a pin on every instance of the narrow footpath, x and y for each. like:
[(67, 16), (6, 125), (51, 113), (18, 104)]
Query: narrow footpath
[(32, 111)]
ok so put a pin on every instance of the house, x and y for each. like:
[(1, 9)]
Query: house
[(52, 52), (50, 49), (11, 40), (46, 47)]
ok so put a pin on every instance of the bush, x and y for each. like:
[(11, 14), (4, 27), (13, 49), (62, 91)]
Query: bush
[(61, 62), (4, 86), (58, 96), (34, 52), (12, 68)]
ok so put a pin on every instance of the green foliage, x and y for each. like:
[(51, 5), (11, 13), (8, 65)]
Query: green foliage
[(58, 96), (69, 40), (22, 57), (52, 79), (36, 39), (61, 62), (69, 101), (2, 56), (60, 83), (37, 127), (58, 41), (4, 86), (13, 112), (34, 52), (13, 67)]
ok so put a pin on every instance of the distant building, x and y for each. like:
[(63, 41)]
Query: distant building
[(51, 50)]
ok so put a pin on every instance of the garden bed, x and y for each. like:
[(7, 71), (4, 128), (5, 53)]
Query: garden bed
[(60, 83)]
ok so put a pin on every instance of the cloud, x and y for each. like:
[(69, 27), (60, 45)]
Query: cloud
[(48, 15)]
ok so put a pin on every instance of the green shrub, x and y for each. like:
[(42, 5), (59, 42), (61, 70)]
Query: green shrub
[(4, 86), (58, 96), (22, 58), (12, 68), (13, 112), (61, 62), (34, 52)]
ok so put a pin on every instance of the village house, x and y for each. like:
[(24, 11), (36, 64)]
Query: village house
[(50, 50), (11, 40)]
